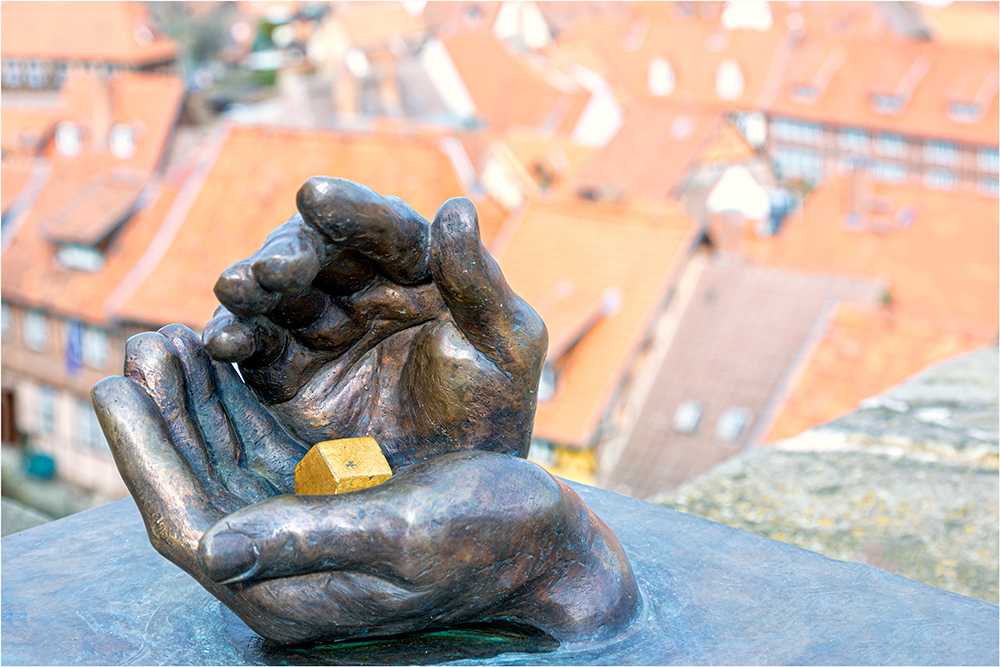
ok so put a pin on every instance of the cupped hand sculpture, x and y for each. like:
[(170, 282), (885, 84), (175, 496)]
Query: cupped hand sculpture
[(358, 317)]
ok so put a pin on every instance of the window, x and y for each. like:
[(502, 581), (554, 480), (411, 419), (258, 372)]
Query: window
[(547, 384), (988, 160), (46, 410), (121, 141), (964, 112), (81, 258), (542, 452), (36, 331), (989, 186), (941, 152), (890, 145), (11, 74), (890, 172), (660, 78), (797, 131), (732, 424), (37, 76), (801, 163), (752, 125), (59, 74), (729, 80), (889, 105), (5, 321), (940, 179), (855, 141), (95, 347), (687, 417), (69, 141), (88, 429)]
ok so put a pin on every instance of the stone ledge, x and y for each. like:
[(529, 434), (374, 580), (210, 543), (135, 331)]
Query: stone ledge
[(90, 590), (910, 477)]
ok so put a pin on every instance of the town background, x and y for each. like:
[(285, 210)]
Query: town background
[(745, 224)]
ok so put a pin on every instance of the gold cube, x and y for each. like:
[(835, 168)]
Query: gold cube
[(340, 466)]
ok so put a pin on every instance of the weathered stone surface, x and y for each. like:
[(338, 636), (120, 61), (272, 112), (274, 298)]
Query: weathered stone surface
[(908, 482), (90, 590), (16, 517)]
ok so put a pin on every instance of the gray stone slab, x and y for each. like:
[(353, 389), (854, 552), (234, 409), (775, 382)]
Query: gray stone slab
[(90, 590)]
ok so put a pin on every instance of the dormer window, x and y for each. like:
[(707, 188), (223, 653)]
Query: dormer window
[(661, 77), (687, 417), (729, 80), (893, 87), (80, 257), (890, 105), (964, 112), (69, 139), (733, 424), (121, 141)]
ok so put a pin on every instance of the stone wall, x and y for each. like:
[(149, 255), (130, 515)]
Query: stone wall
[(907, 483)]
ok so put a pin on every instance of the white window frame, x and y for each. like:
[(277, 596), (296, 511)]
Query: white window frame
[(891, 145), (940, 179), (36, 330), (6, 322), (988, 160), (854, 140), (889, 172), (122, 141), (88, 429), (46, 410), (69, 139), (94, 347), (989, 186), (943, 153)]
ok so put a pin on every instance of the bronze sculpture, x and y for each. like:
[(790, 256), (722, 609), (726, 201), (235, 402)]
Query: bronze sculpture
[(358, 317)]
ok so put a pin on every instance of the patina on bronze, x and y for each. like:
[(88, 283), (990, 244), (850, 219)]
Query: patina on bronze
[(359, 318)]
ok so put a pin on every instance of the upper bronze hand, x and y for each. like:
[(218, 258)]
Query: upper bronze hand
[(357, 317)]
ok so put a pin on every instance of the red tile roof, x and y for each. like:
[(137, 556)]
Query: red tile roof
[(508, 89), (621, 49), (105, 32), (33, 277), (737, 336), (942, 267), (93, 210), (251, 189), (566, 256), (16, 170), (927, 76), (149, 104), (865, 352), (25, 130), (942, 264), (657, 145)]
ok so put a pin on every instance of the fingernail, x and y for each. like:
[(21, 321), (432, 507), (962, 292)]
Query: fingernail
[(228, 557)]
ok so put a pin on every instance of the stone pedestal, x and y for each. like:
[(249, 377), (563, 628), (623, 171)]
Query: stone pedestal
[(89, 589)]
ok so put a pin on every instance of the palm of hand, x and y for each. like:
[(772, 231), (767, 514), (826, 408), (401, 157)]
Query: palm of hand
[(359, 318)]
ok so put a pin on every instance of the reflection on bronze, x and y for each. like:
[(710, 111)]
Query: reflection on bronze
[(359, 318)]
